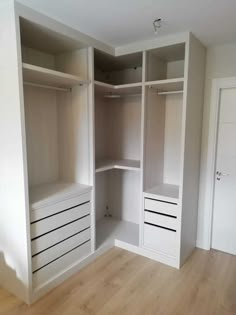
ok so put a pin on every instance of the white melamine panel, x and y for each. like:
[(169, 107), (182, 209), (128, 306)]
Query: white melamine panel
[(166, 192), (175, 69), (38, 58), (122, 187), (160, 240), (161, 220), (41, 124), (161, 206), (73, 135), (173, 133), (47, 256), (51, 271), (15, 271), (130, 165), (101, 194), (154, 139), (48, 224), (50, 239)]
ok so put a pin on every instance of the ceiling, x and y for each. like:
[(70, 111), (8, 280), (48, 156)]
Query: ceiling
[(119, 22)]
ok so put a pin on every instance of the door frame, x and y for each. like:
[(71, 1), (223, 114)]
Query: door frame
[(217, 86)]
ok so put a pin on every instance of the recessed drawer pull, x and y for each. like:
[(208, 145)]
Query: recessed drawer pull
[(172, 203), (161, 213), (161, 227)]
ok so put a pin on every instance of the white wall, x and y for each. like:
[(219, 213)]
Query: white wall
[(221, 62)]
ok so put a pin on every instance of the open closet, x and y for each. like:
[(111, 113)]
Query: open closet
[(100, 148)]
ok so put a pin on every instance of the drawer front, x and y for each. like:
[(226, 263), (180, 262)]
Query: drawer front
[(160, 220), (53, 222), (161, 207), (41, 213), (45, 241), (56, 251), (161, 240), (55, 268)]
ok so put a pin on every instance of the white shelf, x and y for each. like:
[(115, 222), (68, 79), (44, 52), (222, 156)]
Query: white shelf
[(166, 192), (110, 229), (40, 75), (46, 194), (167, 85), (123, 89), (105, 165)]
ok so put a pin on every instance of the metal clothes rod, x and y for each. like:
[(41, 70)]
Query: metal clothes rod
[(170, 92), (120, 96), (49, 87)]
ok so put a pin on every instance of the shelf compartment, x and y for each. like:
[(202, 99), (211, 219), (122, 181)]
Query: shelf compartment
[(168, 85), (110, 229), (107, 164), (167, 192), (43, 76), (120, 90)]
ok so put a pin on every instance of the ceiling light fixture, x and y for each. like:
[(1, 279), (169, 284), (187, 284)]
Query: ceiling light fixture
[(157, 25)]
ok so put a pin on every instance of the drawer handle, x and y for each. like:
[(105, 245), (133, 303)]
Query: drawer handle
[(161, 227), (171, 203), (161, 213)]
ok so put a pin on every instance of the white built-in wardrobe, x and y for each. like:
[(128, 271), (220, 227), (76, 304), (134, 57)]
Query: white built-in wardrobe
[(100, 147)]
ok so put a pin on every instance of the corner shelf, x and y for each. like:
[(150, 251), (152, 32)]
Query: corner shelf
[(164, 191), (167, 85), (123, 89), (39, 75), (106, 164)]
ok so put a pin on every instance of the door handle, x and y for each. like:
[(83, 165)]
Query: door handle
[(219, 174)]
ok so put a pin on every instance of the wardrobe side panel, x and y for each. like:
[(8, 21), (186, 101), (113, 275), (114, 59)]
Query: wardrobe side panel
[(192, 146), (15, 273)]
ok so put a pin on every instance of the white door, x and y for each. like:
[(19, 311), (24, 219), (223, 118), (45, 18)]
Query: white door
[(224, 215)]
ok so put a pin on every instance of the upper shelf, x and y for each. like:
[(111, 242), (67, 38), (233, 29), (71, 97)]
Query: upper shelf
[(123, 89), (167, 85), (40, 75)]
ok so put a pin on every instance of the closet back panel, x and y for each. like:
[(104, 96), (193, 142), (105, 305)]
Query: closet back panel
[(173, 132), (41, 114), (163, 139), (118, 128), (115, 191)]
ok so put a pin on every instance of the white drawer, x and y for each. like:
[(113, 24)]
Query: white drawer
[(59, 206), (52, 238), (160, 240), (161, 220), (49, 255), (48, 224), (161, 207), (62, 264)]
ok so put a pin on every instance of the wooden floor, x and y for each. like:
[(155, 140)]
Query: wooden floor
[(121, 282)]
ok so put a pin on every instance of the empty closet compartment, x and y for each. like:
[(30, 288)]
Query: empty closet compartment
[(117, 207), (163, 145), (166, 62), (118, 70), (117, 129), (51, 59)]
